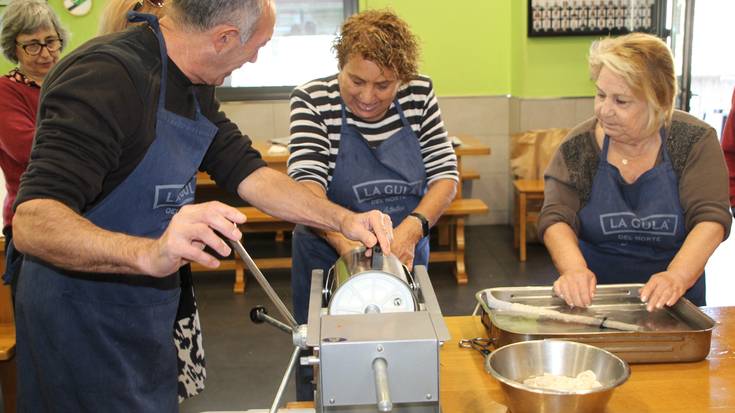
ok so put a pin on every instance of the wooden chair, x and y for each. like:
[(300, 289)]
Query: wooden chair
[(525, 190)]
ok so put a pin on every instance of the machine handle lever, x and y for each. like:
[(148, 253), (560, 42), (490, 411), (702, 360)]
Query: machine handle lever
[(259, 315), (377, 260), (240, 250), (382, 390)]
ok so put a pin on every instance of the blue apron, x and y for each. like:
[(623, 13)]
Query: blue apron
[(631, 231), (390, 178), (104, 342)]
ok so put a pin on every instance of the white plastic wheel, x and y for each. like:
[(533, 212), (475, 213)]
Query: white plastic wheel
[(372, 292)]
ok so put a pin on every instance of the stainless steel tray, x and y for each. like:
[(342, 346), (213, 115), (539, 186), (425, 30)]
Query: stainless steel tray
[(681, 333)]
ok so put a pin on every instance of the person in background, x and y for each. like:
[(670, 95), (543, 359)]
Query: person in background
[(370, 136), (31, 37), (104, 213), (115, 15), (728, 147), (637, 194)]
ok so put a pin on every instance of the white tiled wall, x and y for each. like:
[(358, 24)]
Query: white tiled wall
[(491, 119)]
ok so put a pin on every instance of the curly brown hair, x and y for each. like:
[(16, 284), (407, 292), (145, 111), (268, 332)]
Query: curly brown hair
[(381, 37)]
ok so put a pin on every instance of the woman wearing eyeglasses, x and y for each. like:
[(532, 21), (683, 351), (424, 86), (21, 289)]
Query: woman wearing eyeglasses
[(33, 38)]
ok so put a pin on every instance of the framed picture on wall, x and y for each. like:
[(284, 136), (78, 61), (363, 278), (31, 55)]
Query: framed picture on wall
[(591, 17)]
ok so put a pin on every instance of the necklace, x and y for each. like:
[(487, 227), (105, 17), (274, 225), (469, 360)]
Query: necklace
[(625, 161)]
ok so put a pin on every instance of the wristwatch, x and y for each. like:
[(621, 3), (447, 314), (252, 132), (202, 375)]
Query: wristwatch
[(424, 222)]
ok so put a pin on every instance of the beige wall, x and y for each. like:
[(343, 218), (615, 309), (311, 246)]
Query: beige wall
[(492, 119)]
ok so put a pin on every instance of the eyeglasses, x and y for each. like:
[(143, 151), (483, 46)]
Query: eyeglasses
[(34, 48), (155, 3)]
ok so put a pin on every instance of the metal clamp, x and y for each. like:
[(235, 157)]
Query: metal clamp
[(481, 344)]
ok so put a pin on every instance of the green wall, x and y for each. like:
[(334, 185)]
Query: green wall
[(463, 42), (469, 47), (473, 48), (81, 28), (547, 66)]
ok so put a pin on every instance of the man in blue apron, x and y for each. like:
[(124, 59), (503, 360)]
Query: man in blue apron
[(104, 215)]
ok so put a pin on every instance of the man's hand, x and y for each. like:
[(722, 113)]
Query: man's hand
[(370, 228), (576, 287), (344, 245), (190, 230)]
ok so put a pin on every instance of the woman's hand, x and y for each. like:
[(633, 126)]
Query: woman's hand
[(406, 236), (663, 288), (576, 287)]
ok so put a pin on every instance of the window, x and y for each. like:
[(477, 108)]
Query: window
[(300, 50)]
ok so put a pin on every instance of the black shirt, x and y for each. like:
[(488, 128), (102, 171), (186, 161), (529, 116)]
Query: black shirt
[(97, 118)]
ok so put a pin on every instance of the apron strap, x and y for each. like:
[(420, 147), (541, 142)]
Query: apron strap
[(399, 109), (135, 17), (662, 133)]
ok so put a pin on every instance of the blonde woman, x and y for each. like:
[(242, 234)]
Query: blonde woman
[(115, 16), (639, 192)]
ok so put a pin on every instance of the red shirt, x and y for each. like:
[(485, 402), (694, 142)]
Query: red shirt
[(18, 107), (728, 146)]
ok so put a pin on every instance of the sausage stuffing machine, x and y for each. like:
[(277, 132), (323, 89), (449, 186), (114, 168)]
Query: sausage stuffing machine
[(375, 330)]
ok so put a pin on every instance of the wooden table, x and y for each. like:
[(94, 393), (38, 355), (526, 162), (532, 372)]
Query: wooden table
[(705, 386)]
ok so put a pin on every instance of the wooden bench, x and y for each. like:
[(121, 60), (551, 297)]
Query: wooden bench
[(7, 342), (525, 190), (453, 218)]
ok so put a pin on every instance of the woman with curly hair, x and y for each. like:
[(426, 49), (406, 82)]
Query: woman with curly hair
[(370, 136)]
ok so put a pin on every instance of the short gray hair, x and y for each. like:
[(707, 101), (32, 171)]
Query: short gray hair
[(27, 17), (202, 15)]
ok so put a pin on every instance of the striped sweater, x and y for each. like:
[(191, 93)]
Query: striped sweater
[(316, 118)]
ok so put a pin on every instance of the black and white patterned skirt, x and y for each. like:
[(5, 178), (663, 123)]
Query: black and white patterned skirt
[(188, 340)]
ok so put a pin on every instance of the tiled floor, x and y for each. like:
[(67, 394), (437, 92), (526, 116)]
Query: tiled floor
[(245, 362)]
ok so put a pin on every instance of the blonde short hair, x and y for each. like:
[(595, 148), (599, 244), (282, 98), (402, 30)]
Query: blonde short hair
[(646, 65), (115, 16)]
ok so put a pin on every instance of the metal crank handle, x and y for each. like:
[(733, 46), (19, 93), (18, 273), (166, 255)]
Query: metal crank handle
[(237, 246), (382, 390), (259, 314)]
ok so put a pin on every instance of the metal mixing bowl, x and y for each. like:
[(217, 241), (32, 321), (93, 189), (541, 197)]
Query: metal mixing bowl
[(514, 363)]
